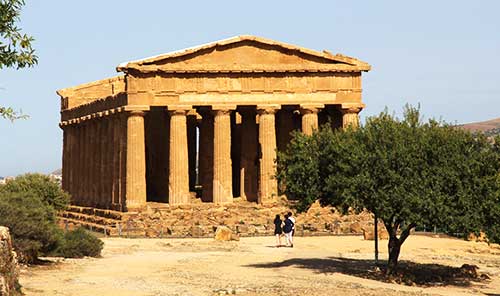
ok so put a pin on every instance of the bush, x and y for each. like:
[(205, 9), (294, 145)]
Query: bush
[(32, 224), (43, 188), (79, 243)]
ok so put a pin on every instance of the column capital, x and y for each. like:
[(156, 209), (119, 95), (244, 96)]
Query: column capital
[(220, 112), (351, 110), (136, 113), (268, 109), (310, 108), (222, 109), (136, 108), (178, 112), (179, 108)]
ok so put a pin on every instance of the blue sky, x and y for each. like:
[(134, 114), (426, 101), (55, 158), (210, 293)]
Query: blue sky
[(444, 55)]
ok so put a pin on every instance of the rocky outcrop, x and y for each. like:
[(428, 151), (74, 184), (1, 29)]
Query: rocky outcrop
[(9, 269)]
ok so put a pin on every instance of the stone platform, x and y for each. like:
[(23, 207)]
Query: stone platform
[(201, 220)]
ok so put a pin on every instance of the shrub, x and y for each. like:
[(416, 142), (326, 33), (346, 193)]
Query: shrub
[(79, 243), (31, 222), (43, 188)]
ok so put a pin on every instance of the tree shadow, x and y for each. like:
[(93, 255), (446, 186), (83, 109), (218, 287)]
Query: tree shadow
[(409, 273)]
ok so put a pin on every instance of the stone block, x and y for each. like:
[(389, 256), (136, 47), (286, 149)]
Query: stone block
[(9, 269), (223, 233), (197, 231)]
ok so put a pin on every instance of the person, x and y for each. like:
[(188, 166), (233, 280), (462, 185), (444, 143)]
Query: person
[(288, 229), (290, 216), (278, 231)]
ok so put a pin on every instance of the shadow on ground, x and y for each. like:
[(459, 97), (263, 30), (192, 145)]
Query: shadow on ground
[(409, 273)]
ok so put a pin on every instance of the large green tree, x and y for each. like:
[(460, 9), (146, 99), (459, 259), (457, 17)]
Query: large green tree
[(408, 172), (15, 47)]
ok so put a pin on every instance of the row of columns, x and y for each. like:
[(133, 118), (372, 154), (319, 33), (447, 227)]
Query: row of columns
[(215, 165), (94, 160), (104, 158)]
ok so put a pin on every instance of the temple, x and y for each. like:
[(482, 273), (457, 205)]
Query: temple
[(207, 119)]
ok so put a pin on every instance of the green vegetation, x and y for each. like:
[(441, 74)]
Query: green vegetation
[(79, 243), (15, 48), (31, 222), (408, 172), (28, 206), (41, 186)]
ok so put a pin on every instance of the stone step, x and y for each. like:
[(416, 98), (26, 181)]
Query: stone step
[(89, 218), (72, 223), (96, 212)]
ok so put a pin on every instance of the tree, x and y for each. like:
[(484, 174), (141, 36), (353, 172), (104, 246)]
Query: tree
[(28, 206), (32, 224), (15, 47), (408, 172), (43, 188)]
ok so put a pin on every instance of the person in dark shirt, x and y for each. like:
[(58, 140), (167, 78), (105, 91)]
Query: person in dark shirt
[(288, 229), (277, 230)]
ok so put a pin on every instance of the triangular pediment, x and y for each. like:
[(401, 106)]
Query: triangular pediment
[(245, 53)]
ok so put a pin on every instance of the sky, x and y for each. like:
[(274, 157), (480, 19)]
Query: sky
[(443, 55)]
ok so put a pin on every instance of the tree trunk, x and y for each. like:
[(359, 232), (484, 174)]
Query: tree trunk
[(394, 249)]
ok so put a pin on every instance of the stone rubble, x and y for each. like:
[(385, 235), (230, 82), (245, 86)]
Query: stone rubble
[(9, 269)]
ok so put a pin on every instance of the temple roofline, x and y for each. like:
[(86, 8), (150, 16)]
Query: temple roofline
[(363, 66), (71, 91)]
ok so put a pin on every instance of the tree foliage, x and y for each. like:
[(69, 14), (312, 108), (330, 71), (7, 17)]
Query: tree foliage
[(15, 47), (42, 187), (31, 222), (79, 243), (408, 172), (28, 206)]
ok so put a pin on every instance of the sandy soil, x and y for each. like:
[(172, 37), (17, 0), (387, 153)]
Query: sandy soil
[(338, 265)]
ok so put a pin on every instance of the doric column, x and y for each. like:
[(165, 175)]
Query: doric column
[(122, 121), (101, 198), (95, 177), (178, 187), (136, 160), (70, 161), (206, 154), (309, 118), (222, 183), (86, 161), (73, 160), (65, 157), (350, 117), (268, 186), (115, 120), (77, 197), (249, 154), (108, 172)]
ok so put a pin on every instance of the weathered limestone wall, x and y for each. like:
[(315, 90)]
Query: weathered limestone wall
[(9, 270), (246, 219)]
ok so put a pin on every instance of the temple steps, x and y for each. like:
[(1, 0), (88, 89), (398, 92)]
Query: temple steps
[(106, 222), (202, 219)]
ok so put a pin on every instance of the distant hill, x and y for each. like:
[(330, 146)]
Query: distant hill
[(489, 127)]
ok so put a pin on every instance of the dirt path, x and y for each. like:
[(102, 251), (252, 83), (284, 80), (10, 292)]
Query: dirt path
[(253, 266)]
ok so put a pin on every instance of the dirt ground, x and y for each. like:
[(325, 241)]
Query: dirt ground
[(335, 265)]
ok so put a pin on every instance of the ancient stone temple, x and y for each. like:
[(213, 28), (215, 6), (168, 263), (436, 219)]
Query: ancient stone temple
[(207, 119)]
